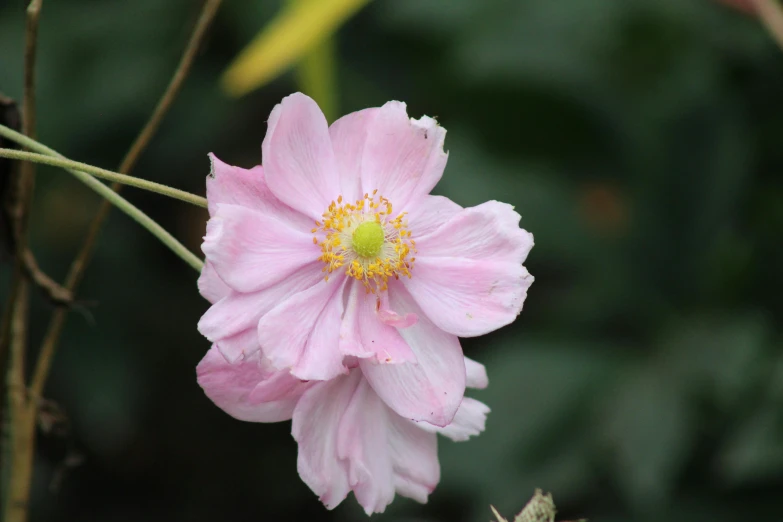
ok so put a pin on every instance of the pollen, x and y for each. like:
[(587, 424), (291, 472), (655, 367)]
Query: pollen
[(367, 240)]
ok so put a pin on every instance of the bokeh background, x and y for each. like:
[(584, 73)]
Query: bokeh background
[(642, 142)]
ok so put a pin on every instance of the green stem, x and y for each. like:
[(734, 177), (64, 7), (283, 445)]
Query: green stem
[(118, 201), (98, 172)]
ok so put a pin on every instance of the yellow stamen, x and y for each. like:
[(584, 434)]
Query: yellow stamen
[(365, 240)]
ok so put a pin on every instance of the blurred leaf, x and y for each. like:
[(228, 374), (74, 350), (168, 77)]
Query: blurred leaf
[(720, 359), (753, 453), (647, 436), (316, 74), (293, 32), (316, 77), (540, 393)]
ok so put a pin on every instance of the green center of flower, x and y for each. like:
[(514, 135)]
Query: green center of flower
[(367, 239)]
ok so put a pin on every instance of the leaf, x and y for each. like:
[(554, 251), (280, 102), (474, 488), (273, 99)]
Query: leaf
[(648, 435), (316, 74), (718, 358), (753, 453), (541, 393), (297, 29)]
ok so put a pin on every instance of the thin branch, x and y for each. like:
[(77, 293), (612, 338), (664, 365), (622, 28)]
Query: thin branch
[(175, 85), (771, 14), (105, 174), (108, 194), (82, 259), (55, 293), (9, 171), (21, 425)]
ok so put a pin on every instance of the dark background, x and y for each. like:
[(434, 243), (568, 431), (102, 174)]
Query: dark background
[(642, 142)]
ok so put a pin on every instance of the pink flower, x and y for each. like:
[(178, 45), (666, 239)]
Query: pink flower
[(349, 440), (334, 255)]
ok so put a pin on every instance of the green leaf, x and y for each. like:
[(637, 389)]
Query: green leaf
[(296, 30)]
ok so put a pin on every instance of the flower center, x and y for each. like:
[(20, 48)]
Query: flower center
[(366, 241)]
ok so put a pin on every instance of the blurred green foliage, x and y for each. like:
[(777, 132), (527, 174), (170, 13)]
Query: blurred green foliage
[(642, 142)]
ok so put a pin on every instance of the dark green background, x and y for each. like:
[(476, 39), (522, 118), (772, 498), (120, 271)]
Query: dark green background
[(642, 142)]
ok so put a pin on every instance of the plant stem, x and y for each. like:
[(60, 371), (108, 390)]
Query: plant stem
[(141, 218), (111, 196), (21, 413), (105, 174), (82, 259), (771, 14)]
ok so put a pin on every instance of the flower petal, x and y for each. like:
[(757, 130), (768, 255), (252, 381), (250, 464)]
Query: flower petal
[(392, 318), (466, 297), (415, 456), (367, 335), (349, 135), (248, 188), (429, 213), (350, 440), (469, 421), (469, 277), (303, 333), (488, 231), (315, 427), (476, 374), (362, 445), (430, 390), (298, 158), (238, 312), (238, 346), (234, 185), (469, 298), (350, 338), (246, 391), (250, 250), (403, 158), (210, 286)]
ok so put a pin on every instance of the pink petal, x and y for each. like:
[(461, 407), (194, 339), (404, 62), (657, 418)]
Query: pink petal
[(248, 188), (362, 445), (250, 250), (468, 276), (366, 335), (469, 421), (488, 231), (466, 297), (403, 158), (350, 440), (315, 427), (297, 155), (415, 456), (430, 390), (237, 312), (210, 285), (246, 390), (303, 333), (429, 213), (392, 318), (234, 185), (349, 135), (476, 374), (383, 451), (236, 347), (350, 337)]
